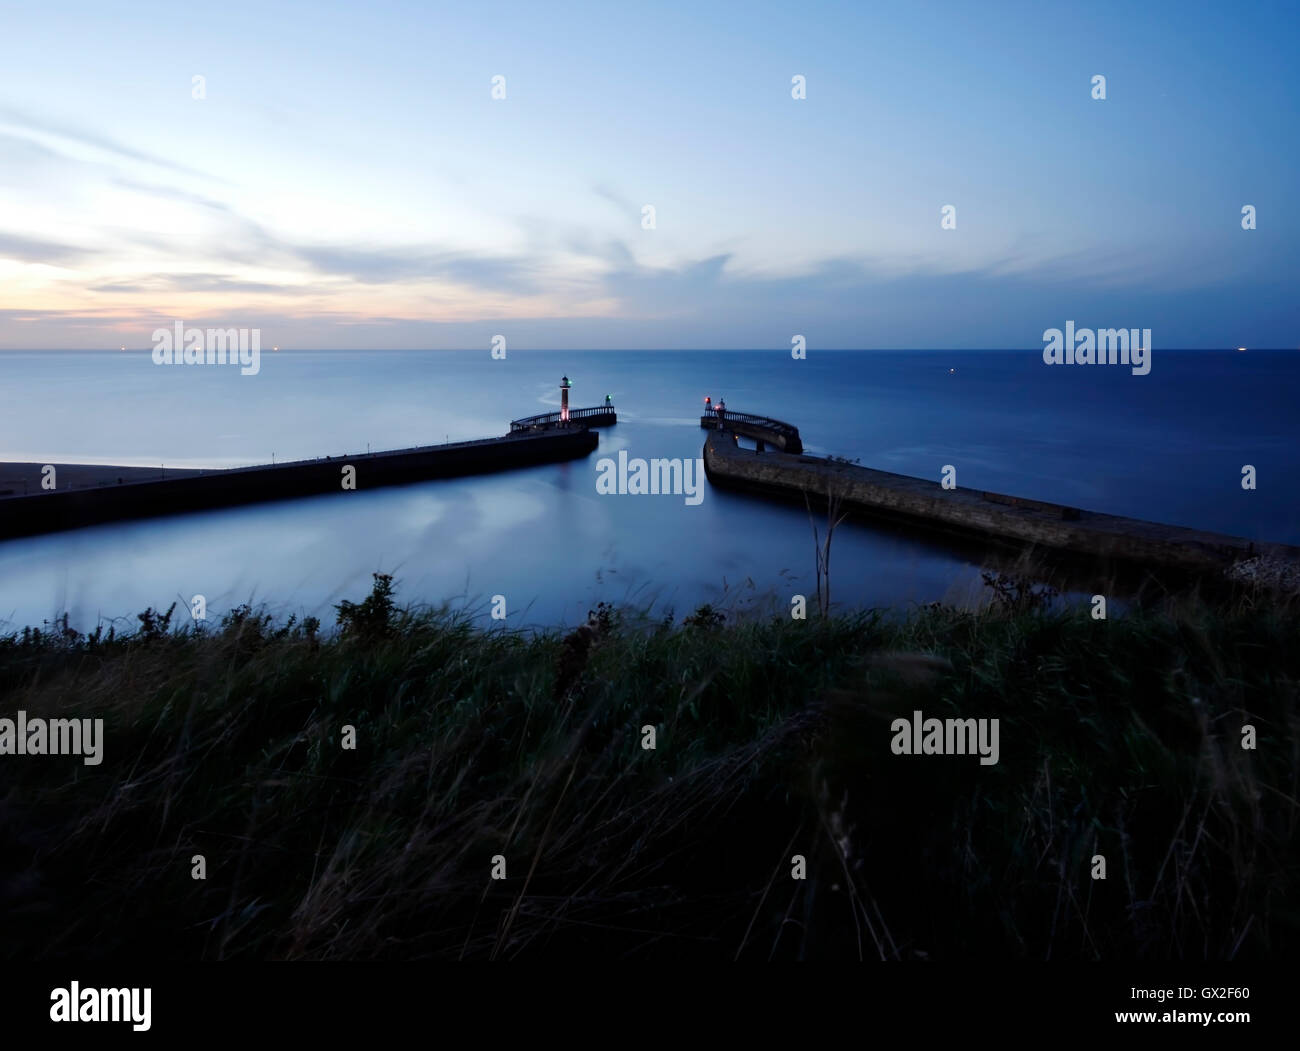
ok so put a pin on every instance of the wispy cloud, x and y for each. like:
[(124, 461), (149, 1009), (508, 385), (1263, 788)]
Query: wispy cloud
[(28, 124), (384, 266), (35, 250), (154, 283)]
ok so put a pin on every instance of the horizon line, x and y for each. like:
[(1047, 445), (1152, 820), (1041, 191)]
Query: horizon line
[(622, 350)]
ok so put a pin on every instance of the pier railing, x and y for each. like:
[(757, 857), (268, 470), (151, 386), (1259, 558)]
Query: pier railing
[(786, 433), (594, 416)]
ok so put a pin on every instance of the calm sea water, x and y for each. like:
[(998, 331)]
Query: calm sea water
[(1168, 446)]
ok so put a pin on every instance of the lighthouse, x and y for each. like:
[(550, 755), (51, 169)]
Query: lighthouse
[(564, 399)]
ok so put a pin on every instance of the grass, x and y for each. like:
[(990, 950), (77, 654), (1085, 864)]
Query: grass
[(1119, 738)]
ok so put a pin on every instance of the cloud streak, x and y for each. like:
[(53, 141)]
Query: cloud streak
[(71, 133), (35, 250)]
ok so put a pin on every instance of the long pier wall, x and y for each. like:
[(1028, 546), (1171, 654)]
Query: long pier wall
[(73, 508), (973, 511)]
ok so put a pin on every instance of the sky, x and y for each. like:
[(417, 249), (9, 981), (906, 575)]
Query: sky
[(341, 176)]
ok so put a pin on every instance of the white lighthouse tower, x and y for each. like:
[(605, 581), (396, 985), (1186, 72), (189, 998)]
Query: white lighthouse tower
[(564, 399)]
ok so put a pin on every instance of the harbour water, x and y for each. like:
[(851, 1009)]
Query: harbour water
[(1168, 446)]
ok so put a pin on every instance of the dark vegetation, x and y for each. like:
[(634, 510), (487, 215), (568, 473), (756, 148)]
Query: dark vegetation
[(1119, 737)]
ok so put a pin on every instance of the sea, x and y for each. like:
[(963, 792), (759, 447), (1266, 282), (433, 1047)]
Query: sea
[(1170, 446)]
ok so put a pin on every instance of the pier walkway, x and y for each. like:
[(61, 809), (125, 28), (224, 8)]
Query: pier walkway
[(996, 516), (763, 429), (87, 494)]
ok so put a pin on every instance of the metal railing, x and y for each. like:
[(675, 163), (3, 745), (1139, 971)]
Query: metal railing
[(786, 430), (552, 419)]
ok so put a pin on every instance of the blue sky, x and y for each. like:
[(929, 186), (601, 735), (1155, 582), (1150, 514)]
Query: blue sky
[(349, 182)]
